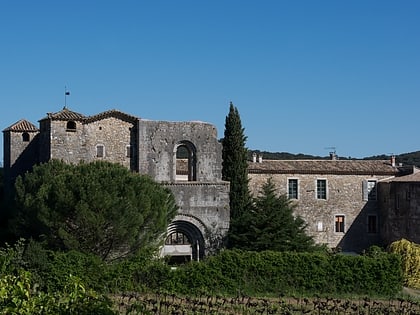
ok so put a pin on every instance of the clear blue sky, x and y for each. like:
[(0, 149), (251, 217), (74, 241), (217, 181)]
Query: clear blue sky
[(304, 75)]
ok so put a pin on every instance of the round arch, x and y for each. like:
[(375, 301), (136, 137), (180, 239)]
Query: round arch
[(194, 246)]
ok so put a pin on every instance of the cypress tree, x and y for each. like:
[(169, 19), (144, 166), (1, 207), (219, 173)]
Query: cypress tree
[(235, 170)]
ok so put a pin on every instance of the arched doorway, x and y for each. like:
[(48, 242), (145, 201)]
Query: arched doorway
[(186, 162), (184, 242)]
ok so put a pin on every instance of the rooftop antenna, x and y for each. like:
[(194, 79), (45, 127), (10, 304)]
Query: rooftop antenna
[(332, 149), (333, 154), (66, 93)]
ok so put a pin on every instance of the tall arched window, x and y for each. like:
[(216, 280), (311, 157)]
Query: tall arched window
[(186, 161)]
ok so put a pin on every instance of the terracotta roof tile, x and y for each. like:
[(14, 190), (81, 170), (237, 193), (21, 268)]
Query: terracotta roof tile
[(22, 126), (65, 114), (361, 167), (112, 113)]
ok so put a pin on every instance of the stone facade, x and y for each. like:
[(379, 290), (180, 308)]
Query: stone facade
[(342, 214), (155, 148), (399, 200)]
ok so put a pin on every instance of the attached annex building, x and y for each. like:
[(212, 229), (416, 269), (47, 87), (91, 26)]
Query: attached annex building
[(347, 204), (184, 156)]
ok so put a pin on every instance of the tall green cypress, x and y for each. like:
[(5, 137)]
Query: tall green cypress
[(235, 170)]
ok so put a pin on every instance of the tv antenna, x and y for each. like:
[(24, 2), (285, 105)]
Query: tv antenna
[(332, 149)]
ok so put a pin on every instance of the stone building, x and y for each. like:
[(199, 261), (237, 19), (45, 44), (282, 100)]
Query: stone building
[(338, 199), (157, 148), (399, 202)]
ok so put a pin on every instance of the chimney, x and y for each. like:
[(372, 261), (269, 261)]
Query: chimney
[(260, 158), (393, 160), (254, 157)]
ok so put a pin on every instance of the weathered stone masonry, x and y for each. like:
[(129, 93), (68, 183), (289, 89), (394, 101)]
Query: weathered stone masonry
[(144, 146), (347, 197)]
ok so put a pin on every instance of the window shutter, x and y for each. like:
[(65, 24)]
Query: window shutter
[(365, 190)]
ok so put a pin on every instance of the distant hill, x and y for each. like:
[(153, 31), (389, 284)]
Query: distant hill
[(412, 158)]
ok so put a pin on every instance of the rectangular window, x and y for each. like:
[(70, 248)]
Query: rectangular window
[(372, 224), (369, 190), (100, 151), (128, 151), (293, 188), (371, 187), (339, 223), (321, 189)]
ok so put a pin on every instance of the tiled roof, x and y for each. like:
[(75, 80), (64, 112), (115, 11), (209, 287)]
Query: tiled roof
[(64, 114), (22, 126), (112, 113), (415, 177), (356, 167)]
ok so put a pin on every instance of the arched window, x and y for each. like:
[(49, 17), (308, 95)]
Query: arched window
[(71, 126), (177, 238), (186, 162), (25, 137)]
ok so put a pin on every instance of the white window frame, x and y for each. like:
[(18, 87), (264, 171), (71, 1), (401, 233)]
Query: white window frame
[(297, 188), (344, 223), (326, 189)]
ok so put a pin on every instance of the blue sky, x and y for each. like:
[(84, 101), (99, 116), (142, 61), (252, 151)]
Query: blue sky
[(304, 75)]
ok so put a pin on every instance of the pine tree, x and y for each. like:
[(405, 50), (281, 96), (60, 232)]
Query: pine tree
[(235, 170), (271, 224), (98, 208)]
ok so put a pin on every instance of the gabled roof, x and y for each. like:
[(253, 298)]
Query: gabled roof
[(341, 167), (112, 113), (64, 114), (22, 125)]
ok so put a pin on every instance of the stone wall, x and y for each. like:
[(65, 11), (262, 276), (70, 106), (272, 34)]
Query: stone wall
[(206, 205), (344, 197), (159, 141), (115, 135), (400, 210)]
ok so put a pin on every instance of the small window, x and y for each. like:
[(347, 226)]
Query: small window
[(339, 223), (128, 151), (25, 137), (71, 126), (372, 224), (100, 151), (321, 189), (293, 188)]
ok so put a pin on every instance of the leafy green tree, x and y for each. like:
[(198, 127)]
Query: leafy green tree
[(271, 224), (100, 208), (235, 170)]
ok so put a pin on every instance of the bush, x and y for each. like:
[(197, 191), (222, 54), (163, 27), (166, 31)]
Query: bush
[(262, 273), (19, 296)]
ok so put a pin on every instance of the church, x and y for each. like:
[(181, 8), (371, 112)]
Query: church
[(183, 156)]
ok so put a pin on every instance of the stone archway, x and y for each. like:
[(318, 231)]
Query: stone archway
[(184, 242)]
